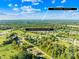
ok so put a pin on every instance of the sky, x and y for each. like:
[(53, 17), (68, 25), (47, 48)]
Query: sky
[(37, 9)]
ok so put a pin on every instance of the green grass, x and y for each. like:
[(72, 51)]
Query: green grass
[(47, 43), (7, 51)]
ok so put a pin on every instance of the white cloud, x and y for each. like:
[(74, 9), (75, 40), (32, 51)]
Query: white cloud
[(24, 0), (75, 14), (45, 8), (27, 0), (8, 15), (2, 13), (10, 5), (16, 5), (12, 14), (35, 4), (16, 9), (53, 1), (63, 1), (31, 1), (26, 8), (25, 15), (59, 6), (29, 9)]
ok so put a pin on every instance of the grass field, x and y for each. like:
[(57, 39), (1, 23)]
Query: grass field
[(61, 43)]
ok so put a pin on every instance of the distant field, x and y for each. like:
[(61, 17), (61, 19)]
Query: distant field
[(39, 21)]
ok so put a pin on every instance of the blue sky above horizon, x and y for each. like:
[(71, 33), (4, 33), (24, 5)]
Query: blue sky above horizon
[(37, 9)]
